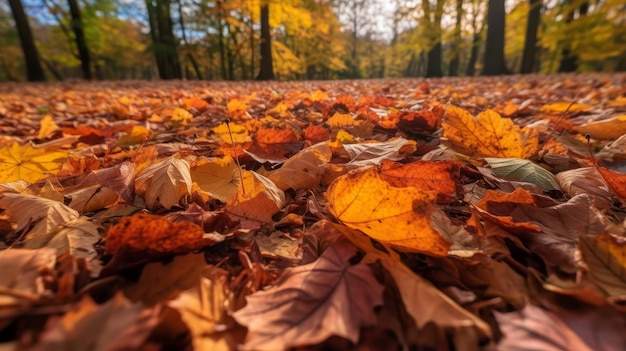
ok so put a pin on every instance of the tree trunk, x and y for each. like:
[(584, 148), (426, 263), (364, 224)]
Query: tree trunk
[(34, 71), (454, 64), (569, 60), (164, 42), (530, 43), (266, 71), (433, 64), (81, 41), (494, 50), (190, 56)]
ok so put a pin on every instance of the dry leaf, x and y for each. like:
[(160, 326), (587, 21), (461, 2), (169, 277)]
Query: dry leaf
[(114, 325), (488, 134), (610, 128), (311, 303), (164, 183), (260, 201), (25, 162), (605, 256), (303, 170), (396, 216), (21, 278), (218, 177)]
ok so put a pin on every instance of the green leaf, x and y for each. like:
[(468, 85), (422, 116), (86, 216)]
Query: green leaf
[(522, 170)]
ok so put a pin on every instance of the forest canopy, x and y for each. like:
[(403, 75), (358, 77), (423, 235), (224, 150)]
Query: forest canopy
[(307, 39)]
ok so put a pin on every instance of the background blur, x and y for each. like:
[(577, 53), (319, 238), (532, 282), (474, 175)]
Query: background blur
[(306, 39)]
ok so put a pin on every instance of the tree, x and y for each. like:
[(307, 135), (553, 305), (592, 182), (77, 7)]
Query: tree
[(432, 17), (494, 49), (79, 36), (163, 40), (454, 64), (266, 69), (34, 71), (569, 59), (530, 42)]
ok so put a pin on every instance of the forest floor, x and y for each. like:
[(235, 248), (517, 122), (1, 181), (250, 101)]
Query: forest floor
[(448, 214)]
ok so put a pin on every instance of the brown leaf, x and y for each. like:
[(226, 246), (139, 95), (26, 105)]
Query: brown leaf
[(310, 303), (21, 275), (115, 325)]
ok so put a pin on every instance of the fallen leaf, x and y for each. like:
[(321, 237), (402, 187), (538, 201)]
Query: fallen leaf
[(41, 217), (238, 132), (274, 143), (522, 170), (114, 325), (21, 277), (218, 177), (368, 154), (534, 328), (257, 200), (303, 170), (164, 183), (488, 134), (562, 107), (439, 176), (586, 180), (180, 117), (161, 282), (610, 128), (152, 233), (137, 135), (28, 163), (204, 309), (605, 256), (47, 127), (395, 216), (616, 182), (93, 198), (310, 303)]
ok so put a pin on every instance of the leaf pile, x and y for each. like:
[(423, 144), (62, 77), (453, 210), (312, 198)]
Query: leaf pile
[(447, 214)]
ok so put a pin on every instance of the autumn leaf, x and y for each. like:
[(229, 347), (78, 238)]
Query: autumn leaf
[(21, 277), (303, 170), (423, 175), (310, 303), (396, 216), (28, 162), (368, 154), (610, 128), (47, 127), (115, 325), (257, 200), (164, 183), (496, 207), (488, 134), (152, 233), (605, 256), (136, 135), (180, 117), (562, 107), (41, 217), (165, 281), (204, 309), (218, 177), (238, 132), (615, 180), (522, 170)]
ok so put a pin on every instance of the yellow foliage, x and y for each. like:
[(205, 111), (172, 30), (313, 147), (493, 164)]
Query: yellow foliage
[(25, 162)]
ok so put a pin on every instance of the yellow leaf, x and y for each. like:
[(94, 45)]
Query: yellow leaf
[(165, 182), (562, 107), (260, 201), (237, 110), (47, 127), (180, 117), (239, 132), (25, 162), (399, 217), (340, 120), (217, 177), (488, 134), (606, 129), (137, 135), (605, 256), (319, 95)]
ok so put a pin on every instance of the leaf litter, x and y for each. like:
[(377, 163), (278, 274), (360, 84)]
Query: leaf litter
[(384, 214)]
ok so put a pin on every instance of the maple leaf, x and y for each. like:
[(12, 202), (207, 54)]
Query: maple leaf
[(424, 175), (218, 177), (164, 183), (488, 134), (28, 163), (311, 303), (114, 325), (397, 216), (21, 277)]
